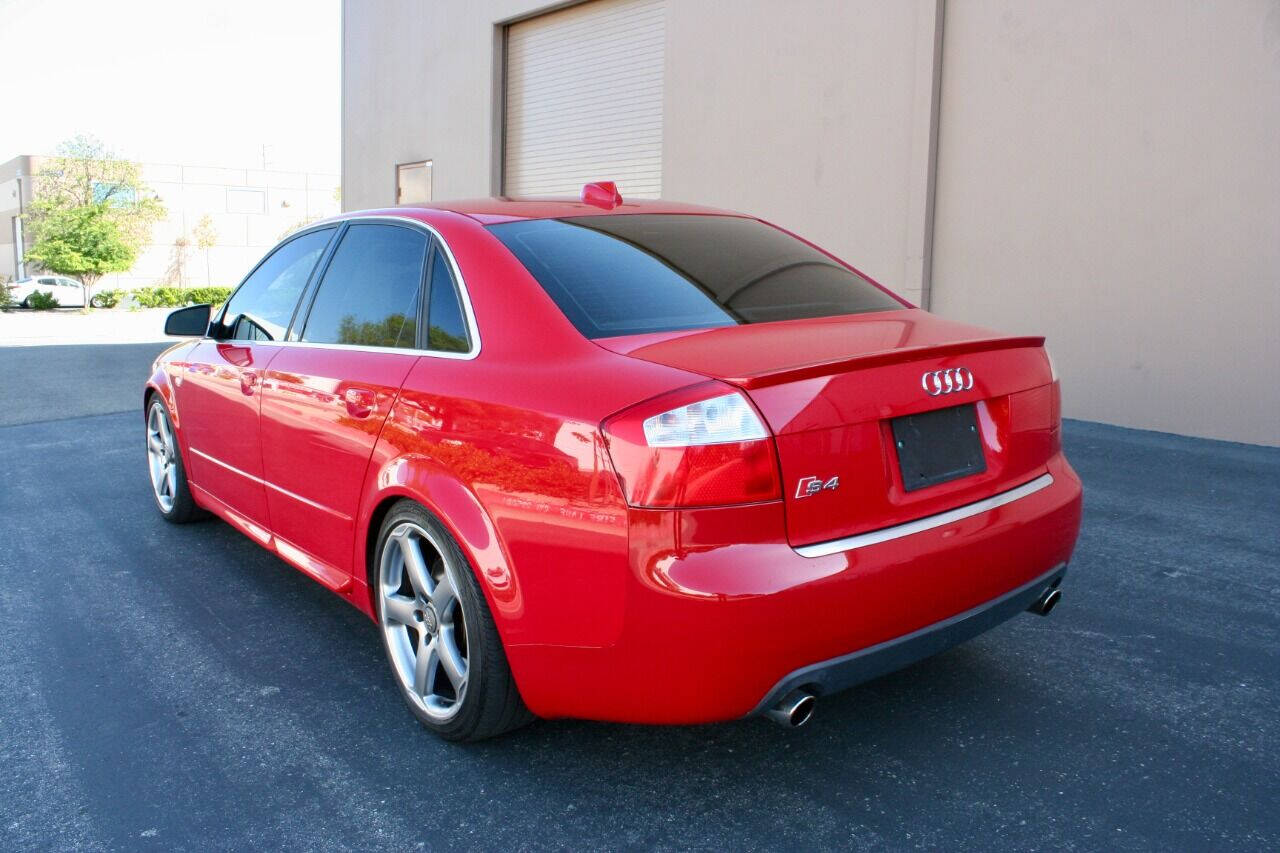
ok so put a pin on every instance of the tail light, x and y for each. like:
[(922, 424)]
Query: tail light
[(1055, 405), (701, 446)]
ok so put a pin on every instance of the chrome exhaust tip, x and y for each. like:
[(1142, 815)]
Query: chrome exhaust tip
[(793, 710), (1046, 602)]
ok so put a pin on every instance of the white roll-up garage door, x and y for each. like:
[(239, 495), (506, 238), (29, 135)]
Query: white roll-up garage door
[(584, 99)]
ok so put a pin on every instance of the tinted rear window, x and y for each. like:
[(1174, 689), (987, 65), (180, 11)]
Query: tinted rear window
[(639, 273)]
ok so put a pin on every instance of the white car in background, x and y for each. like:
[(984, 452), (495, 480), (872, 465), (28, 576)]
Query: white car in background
[(68, 291)]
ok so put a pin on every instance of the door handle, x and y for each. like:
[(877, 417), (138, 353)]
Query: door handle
[(248, 379), (360, 402)]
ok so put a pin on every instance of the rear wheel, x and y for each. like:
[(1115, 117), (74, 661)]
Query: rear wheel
[(164, 463), (437, 631)]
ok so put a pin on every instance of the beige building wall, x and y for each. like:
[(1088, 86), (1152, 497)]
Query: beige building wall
[(807, 115), (15, 195), (840, 157), (1105, 173), (1109, 175)]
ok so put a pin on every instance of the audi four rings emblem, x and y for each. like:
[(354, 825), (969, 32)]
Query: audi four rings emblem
[(937, 382)]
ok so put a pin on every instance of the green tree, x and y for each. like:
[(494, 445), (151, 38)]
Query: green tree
[(84, 242), (86, 176)]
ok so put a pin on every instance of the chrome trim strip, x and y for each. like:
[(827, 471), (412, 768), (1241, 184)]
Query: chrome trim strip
[(233, 469), (473, 328), (929, 522), (463, 293), (301, 499)]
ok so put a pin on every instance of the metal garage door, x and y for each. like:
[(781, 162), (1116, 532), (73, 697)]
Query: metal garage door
[(584, 99)]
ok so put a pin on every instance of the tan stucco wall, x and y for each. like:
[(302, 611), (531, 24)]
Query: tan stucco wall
[(827, 155), (805, 119), (1109, 175), (419, 82), (1106, 173)]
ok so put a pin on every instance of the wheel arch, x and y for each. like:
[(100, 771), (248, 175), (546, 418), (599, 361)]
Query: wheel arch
[(423, 481), (158, 384)]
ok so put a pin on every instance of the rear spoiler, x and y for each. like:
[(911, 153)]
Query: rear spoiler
[(879, 359)]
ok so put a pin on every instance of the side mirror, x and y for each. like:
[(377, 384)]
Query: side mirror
[(189, 322)]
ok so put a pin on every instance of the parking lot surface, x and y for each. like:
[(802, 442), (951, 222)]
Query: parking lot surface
[(179, 688)]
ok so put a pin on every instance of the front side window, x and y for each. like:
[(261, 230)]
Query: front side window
[(640, 273), (261, 308), (369, 294)]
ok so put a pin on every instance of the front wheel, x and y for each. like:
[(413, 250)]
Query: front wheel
[(164, 463), (438, 634)]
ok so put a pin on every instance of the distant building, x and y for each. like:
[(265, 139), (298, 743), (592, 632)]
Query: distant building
[(249, 210)]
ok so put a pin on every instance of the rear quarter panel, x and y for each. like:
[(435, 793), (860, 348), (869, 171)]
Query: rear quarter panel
[(507, 451)]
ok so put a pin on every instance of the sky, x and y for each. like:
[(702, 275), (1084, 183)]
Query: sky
[(208, 82)]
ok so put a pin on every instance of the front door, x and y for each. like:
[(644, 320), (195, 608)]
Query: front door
[(219, 393), (326, 396)]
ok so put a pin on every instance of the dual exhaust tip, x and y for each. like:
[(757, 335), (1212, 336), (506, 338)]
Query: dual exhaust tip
[(796, 708)]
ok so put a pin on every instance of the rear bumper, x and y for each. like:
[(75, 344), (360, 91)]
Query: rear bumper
[(718, 613), (845, 671)]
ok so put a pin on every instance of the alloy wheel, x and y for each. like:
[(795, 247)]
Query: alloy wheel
[(424, 621), (162, 456)]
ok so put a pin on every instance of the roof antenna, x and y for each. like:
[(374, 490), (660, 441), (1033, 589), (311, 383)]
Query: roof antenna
[(602, 194)]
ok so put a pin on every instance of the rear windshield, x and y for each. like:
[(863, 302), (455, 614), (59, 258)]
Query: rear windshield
[(640, 273)]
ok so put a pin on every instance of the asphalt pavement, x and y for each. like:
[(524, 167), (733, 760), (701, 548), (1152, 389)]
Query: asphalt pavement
[(167, 687)]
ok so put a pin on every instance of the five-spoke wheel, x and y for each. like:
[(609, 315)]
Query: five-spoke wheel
[(424, 622), (161, 455), (437, 630), (164, 463)]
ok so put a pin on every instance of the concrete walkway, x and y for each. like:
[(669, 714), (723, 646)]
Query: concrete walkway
[(73, 326)]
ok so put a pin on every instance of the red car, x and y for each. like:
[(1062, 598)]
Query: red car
[(643, 462)]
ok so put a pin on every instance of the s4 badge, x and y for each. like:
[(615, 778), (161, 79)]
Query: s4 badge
[(812, 485)]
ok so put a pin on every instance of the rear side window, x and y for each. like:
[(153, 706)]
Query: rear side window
[(446, 326), (262, 306), (638, 273), (369, 294)]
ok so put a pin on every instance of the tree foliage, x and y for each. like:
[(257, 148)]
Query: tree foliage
[(85, 186), (84, 242)]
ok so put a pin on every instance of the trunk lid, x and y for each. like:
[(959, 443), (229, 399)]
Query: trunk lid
[(831, 389)]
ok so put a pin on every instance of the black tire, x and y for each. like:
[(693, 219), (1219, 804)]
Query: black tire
[(178, 507), (490, 702)]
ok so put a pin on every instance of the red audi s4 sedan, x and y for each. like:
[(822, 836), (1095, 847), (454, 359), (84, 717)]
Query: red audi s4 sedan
[(642, 462)]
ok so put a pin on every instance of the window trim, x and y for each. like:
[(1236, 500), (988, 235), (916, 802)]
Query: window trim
[(464, 293), (424, 312), (218, 319)]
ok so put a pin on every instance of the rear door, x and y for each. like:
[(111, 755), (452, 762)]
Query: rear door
[(218, 388), (328, 392)]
